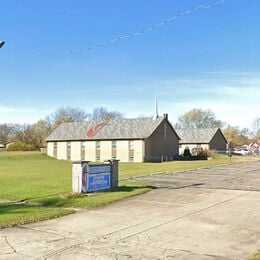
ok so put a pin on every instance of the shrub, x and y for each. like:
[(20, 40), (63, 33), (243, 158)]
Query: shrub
[(20, 146), (200, 152), (209, 153), (194, 151), (186, 152)]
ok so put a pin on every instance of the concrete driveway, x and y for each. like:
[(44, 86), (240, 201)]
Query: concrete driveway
[(204, 214)]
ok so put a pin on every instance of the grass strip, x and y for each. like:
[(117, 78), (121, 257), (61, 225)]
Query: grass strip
[(129, 170), (256, 256), (14, 214), (93, 200)]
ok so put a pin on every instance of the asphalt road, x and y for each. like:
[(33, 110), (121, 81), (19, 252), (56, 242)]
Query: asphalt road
[(204, 214)]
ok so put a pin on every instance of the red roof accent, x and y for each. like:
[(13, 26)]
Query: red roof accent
[(93, 130)]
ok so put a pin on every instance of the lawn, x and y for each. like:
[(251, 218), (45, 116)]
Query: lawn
[(128, 170), (256, 256), (94, 200), (34, 177), (31, 176), (12, 214)]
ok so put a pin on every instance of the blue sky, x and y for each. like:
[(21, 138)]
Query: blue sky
[(208, 59)]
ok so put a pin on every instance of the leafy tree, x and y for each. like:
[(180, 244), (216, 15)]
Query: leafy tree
[(41, 130), (102, 114), (20, 146), (235, 136), (198, 118)]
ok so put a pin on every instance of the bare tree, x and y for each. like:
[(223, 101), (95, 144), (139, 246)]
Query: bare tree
[(35, 134), (198, 118), (66, 115), (24, 133), (256, 128), (7, 133), (102, 114), (41, 130)]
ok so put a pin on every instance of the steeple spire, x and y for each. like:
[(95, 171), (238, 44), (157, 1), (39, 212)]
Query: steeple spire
[(155, 116)]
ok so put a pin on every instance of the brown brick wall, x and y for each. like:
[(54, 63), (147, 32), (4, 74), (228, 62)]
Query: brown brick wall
[(218, 142), (163, 142)]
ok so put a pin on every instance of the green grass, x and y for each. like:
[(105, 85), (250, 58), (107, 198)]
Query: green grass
[(4, 153), (12, 214), (128, 170), (256, 256), (94, 200), (36, 176), (33, 177)]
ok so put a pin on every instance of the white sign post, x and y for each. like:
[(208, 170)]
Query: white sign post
[(76, 177)]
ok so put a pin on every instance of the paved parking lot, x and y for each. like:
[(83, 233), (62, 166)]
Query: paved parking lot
[(205, 214), (242, 176)]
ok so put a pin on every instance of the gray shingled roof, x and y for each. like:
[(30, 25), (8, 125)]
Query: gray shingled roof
[(196, 135), (139, 128)]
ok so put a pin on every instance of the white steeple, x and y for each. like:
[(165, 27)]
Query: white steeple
[(155, 116)]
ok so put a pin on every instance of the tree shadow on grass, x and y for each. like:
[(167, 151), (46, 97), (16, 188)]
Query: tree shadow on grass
[(94, 199), (126, 188), (17, 208), (57, 201), (75, 200), (11, 208), (12, 214)]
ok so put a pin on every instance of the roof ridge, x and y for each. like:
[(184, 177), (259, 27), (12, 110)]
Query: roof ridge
[(110, 129), (204, 128), (134, 118)]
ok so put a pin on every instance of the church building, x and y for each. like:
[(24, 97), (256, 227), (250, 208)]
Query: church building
[(128, 140)]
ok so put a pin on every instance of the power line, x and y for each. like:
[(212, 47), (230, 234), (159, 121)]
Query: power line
[(122, 37)]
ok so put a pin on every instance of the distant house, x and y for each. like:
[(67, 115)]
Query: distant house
[(6, 145), (254, 148), (206, 138), (129, 140)]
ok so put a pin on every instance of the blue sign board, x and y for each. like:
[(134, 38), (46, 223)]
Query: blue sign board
[(98, 177), (97, 182)]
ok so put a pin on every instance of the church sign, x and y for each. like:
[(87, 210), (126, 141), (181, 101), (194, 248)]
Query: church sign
[(88, 177), (96, 177)]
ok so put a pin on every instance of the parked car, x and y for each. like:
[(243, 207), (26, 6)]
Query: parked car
[(241, 152)]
